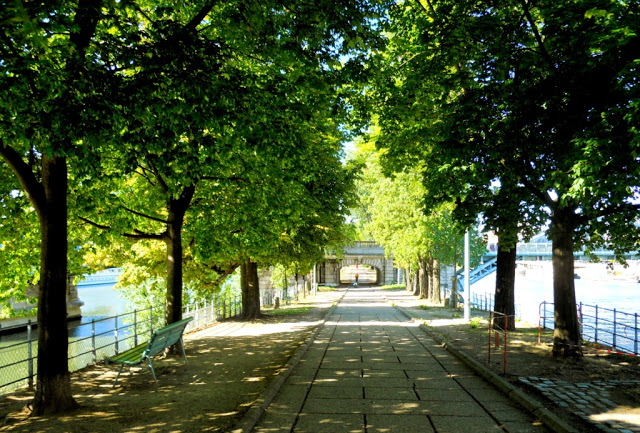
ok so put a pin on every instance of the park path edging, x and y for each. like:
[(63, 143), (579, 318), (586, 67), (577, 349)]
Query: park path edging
[(547, 417), (257, 409)]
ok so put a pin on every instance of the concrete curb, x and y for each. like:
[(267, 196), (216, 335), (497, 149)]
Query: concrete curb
[(257, 409), (549, 419)]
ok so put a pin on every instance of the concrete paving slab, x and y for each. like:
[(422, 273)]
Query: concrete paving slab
[(299, 380), (324, 423), (347, 365), (440, 394), (371, 370), (333, 382), (373, 393), (412, 359), (343, 392), (385, 366), (446, 408), (508, 414), (276, 423), (389, 382), (380, 358), (525, 427), (291, 401), (464, 424), (398, 424), (427, 372), (391, 373), (341, 358), (436, 383), (324, 373)]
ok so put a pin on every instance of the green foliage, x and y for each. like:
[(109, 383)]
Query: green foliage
[(392, 211), (533, 117), (280, 276), (474, 323), (525, 113), (290, 311), (393, 287)]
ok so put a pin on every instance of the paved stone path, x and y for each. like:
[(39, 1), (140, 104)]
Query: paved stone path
[(589, 400), (371, 370)]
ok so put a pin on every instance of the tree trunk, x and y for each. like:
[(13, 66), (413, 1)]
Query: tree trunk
[(454, 280), (424, 279), (408, 279), (435, 285), (417, 281), (505, 281), (177, 208), (53, 386), (173, 307), (566, 335), (428, 273), (250, 290)]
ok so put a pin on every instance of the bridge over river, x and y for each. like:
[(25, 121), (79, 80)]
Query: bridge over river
[(369, 260), (538, 249), (365, 258)]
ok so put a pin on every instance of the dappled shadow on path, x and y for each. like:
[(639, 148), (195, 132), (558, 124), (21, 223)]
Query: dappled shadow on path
[(526, 357), (229, 367)]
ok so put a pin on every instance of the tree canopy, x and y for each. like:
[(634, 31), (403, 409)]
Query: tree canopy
[(540, 97), (153, 99)]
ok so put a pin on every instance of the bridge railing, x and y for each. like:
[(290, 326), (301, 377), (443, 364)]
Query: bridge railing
[(545, 248), (365, 244)]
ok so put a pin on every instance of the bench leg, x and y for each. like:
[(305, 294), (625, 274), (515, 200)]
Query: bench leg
[(184, 355), (153, 373), (119, 371)]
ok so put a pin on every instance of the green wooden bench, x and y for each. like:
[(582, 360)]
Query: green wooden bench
[(161, 339)]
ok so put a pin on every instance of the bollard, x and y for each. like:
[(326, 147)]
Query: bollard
[(30, 356), (93, 340)]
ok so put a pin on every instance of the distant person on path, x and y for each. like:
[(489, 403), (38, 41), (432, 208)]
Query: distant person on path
[(357, 278)]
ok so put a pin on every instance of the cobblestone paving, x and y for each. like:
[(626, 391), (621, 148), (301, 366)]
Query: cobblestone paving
[(589, 399)]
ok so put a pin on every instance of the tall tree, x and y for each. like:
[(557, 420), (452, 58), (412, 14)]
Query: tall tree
[(538, 95), (51, 97)]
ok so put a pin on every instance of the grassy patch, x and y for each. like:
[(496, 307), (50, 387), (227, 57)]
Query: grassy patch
[(394, 287), (290, 311), (326, 289)]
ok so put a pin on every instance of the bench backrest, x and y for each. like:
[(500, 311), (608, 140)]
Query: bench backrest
[(165, 337)]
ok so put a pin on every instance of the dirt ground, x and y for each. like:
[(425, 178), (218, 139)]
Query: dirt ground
[(229, 366)]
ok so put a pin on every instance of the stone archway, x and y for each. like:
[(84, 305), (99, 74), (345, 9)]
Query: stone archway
[(367, 274), (361, 253)]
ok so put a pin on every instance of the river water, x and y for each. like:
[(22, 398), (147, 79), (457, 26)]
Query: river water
[(100, 301), (594, 287)]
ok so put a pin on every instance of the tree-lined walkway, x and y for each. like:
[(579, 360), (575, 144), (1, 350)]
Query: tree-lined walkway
[(371, 370)]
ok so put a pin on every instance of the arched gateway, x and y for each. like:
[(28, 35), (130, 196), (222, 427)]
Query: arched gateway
[(365, 258)]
